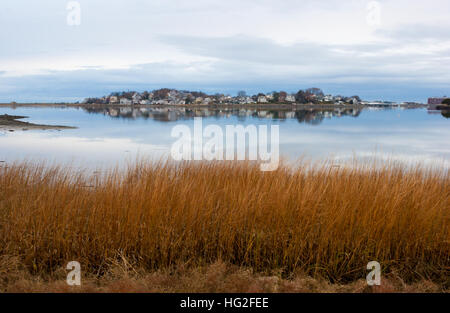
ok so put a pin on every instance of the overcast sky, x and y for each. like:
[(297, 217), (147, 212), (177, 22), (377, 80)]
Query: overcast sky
[(390, 49)]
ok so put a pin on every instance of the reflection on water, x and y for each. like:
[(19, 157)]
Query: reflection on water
[(311, 116), (111, 135)]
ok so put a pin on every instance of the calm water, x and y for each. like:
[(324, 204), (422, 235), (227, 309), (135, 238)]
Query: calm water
[(112, 136)]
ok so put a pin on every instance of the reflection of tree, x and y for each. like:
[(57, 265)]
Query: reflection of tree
[(277, 115), (310, 117), (445, 113), (162, 114)]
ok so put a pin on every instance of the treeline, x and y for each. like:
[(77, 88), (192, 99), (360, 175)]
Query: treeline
[(303, 96)]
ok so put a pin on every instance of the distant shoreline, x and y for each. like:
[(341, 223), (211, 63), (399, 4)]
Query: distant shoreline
[(269, 106), (11, 123)]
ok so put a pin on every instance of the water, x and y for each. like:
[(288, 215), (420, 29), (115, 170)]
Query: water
[(111, 136)]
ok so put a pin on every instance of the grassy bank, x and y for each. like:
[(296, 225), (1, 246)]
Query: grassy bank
[(319, 221), (121, 276)]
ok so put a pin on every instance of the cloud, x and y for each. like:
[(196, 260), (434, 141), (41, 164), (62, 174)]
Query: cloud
[(257, 45), (417, 33), (372, 58)]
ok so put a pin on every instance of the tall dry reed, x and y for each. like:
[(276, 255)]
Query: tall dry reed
[(316, 219)]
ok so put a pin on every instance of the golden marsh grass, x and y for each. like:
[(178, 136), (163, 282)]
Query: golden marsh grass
[(322, 221)]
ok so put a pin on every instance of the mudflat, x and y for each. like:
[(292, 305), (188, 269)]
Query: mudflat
[(12, 123)]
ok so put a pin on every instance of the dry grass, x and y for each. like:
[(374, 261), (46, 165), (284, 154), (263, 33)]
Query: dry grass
[(215, 278), (320, 221)]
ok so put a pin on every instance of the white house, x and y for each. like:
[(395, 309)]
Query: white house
[(125, 101), (113, 99), (290, 98), (172, 94), (198, 100), (136, 98), (262, 99)]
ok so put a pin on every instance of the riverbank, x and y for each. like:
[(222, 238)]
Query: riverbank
[(259, 106), (12, 123), (320, 221)]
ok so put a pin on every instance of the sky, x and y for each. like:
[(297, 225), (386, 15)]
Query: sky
[(62, 51)]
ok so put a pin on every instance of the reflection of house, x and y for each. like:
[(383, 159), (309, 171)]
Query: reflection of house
[(290, 114), (164, 113), (136, 113), (125, 101), (262, 113), (125, 111), (113, 112)]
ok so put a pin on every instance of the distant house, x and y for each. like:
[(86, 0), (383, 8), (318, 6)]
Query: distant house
[(328, 98), (355, 101), (162, 102), (435, 101), (145, 102), (249, 100), (136, 98), (172, 94), (245, 100), (282, 97), (262, 99), (290, 98), (113, 100), (126, 101)]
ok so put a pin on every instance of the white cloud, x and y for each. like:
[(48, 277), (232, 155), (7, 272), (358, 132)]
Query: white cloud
[(190, 42)]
